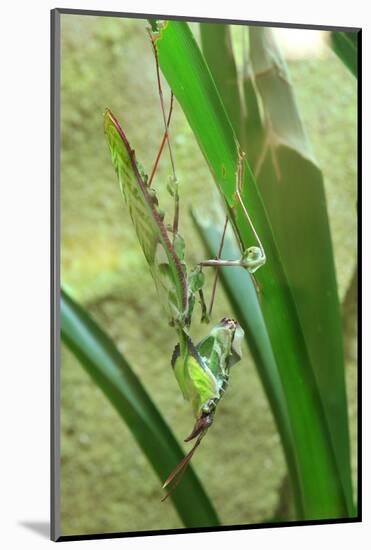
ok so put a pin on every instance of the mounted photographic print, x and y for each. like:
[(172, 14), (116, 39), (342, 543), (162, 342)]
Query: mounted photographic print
[(204, 315)]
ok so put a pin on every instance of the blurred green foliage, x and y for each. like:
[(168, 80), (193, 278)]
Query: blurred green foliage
[(106, 482)]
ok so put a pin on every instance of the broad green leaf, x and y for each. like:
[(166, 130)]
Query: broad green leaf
[(253, 135), (345, 45), (245, 118), (217, 49), (291, 186), (189, 77), (111, 372)]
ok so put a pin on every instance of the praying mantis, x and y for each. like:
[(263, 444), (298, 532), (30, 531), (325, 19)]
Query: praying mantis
[(201, 370)]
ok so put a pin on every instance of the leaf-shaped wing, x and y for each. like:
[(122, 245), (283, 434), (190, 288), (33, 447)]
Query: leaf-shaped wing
[(166, 268), (195, 379)]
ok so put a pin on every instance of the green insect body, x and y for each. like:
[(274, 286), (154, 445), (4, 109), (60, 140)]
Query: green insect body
[(202, 371)]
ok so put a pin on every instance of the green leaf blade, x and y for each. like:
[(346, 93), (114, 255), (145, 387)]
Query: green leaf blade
[(292, 188), (217, 49), (183, 66), (345, 45)]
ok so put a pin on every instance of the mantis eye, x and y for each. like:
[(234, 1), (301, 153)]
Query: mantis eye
[(254, 253), (253, 258), (228, 323)]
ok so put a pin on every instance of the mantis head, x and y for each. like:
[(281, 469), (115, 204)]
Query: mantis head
[(253, 258)]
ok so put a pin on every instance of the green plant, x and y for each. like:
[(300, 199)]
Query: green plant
[(288, 283), (300, 362), (345, 45)]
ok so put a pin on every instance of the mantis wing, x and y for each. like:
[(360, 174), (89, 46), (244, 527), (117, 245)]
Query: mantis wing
[(167, 269), (195, 379)]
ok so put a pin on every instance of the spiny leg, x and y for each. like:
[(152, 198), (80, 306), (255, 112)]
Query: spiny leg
[(162, 105), (161, 148), (217, 271), (167, 134), (233, 263), (221, 263)]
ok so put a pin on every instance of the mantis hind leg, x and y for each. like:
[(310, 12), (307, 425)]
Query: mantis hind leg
[(166, 138), (163, 141)]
